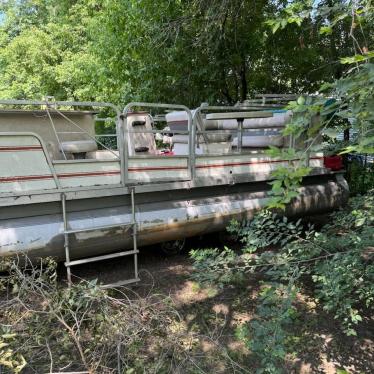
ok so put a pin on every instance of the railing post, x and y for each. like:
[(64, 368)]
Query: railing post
[(125, 152), (240, 134), (121, 147), (191, 142), (66, 239)]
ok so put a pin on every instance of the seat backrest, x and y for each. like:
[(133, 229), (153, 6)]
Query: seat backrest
[(140, 142)]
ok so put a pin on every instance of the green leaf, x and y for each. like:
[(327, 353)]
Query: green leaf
[(342, 371), (325, 30), (275, 27), (357, 58)]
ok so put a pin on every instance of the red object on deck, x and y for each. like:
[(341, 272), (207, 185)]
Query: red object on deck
[(168, 153), (333, 162)]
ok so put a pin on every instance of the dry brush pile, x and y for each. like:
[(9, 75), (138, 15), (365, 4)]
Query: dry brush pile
[(45, 327)]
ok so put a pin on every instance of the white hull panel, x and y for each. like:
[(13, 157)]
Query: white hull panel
[(161, 221)]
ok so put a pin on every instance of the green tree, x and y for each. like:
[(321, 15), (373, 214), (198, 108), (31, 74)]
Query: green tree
[(45, 50), (177, 51)]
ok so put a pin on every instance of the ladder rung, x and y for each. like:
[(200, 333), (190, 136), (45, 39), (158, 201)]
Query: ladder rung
[(100, 258), (120, 283), (99, 228)]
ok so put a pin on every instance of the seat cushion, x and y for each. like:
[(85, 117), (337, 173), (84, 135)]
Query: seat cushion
[(79, 146)]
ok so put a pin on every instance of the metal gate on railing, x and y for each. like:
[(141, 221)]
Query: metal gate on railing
[(128, 132)]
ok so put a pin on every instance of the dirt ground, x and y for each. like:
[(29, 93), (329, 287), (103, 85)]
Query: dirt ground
[(318, 345)]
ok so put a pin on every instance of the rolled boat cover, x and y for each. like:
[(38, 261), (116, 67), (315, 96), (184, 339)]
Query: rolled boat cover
[(278, 120), (178, 121)]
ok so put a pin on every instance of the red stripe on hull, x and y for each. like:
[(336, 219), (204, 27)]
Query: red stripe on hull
[(88, 174), (248, 163), (156, 168), (20, 149), (24, 178)]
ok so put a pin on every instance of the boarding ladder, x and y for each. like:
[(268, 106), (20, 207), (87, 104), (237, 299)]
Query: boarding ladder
[(134, 252)]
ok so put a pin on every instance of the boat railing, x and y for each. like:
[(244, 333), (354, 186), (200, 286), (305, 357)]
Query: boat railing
[(247, 108), (128, 163), (51, 106), (196, 131)]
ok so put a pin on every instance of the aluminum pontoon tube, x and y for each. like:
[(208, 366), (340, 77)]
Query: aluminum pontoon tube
[(161, 216)]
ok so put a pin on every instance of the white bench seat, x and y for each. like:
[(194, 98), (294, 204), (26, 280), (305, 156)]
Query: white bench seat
[(79, 146)]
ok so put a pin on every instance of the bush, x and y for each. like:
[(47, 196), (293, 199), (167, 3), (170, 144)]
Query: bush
[(360, 175), (338, 260), (266, 334)]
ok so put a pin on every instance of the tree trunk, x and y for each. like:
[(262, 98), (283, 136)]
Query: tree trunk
[(243, 81)]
